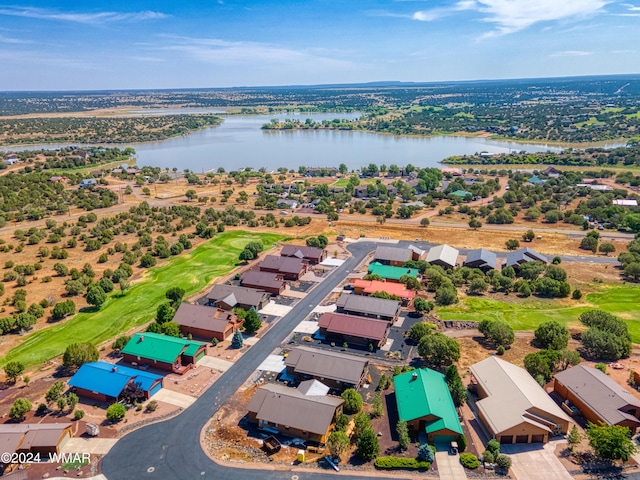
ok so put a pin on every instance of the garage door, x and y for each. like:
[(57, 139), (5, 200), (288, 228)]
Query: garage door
[(522, 439), (444, 439), (506, 439), (537, 438), (155, 389), (199, 356)]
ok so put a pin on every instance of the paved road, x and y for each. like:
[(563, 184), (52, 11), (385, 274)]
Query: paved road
[(171, 450)]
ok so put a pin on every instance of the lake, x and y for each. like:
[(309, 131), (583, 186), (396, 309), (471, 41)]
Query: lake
[(239, 142)]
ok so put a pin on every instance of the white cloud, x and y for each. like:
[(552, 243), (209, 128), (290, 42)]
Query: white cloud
[(88, 18), (631, 7), (5, 39), (571, 53), (623, 51), (510, 16)]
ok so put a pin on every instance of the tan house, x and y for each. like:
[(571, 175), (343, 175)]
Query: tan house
[(42, 438), (513, 406), (598, 397), (305, 412), (206, 322)]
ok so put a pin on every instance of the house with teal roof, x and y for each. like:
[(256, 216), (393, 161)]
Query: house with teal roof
[(424, 402), (176, 355), (461, 194), (391, 273)]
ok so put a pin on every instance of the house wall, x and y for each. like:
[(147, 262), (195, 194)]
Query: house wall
[(586, 410), (552, 419), (329, 382), (273, 290), (168, 367), (290, 431), (100, 397), (208, 334), (520, 431), (445, 432), (340, 339)]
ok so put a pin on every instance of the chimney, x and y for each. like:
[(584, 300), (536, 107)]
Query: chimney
[(141, 338), (115, 369), (414, 376)]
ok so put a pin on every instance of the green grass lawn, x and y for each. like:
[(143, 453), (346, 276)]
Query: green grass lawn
[(344, 181), (527, 314), (191, 271)]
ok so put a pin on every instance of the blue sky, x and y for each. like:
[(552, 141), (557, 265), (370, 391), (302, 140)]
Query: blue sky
[(88, 45)]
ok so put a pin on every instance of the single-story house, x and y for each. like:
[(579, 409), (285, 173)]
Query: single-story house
[(392, 255), (321, 172), (228, 297), (42, 438), (58, 179), (417, 253), (594, 186), (367, 287), (106, 382), (443, 255), (551, 172), (163, 352), (289, 411), (88, 183), (524, 255), (310, 254), (482, 259), (513, 406), (291, 268), (287, 203), (424, 402), (462, 194), (11, 161), (456, 172), (206, 322), (372, 307), (535, 180), (354, 330), (625, 202), (391, 273), (598, 397), (267, 281), (336, 370)]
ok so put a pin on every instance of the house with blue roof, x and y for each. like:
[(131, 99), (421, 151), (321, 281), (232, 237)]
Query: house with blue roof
[(108, 383)]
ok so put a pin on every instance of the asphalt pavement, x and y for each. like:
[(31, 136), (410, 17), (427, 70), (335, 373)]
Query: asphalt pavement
[(171, 449)]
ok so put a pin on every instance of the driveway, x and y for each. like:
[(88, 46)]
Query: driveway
[(94, 445), (449, 467), (174, 398), (216, 363), (535, 462)]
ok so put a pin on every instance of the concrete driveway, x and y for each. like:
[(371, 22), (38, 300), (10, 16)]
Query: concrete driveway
[(174, 398), (216, 363), (535, 462), (95, 445), (449, 467)]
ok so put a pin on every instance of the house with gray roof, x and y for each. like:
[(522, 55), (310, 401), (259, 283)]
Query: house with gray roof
[(513, 406), (443, 255), (228, 297), (394, 256), (268, 281), (524, 255), (482, 259), (372, 307), (598, 397), (309, 254), (337, 370), (292, 412)]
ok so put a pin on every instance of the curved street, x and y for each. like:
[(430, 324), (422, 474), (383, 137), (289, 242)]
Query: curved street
[(171, 449)]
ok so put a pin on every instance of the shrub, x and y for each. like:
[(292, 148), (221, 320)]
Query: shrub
[(500, 350), (493, 446), (391, 463), (367, 445), (503, 462), (152, 406), (462, 443), (19, 408), (341, 423), (425, 453), (469, 460), (352, 401), (601, 366), (577, 294), (78, 415), (116, 412), (403, 435), (487, 457)]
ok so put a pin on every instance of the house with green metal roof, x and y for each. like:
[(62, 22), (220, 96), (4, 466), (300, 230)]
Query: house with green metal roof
[(424, 402), (461, 193), (391, 273), (163, 352)]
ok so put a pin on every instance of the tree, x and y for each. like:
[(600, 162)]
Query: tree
[(352, 401), (252, 322), (573, 438), (474, 223), (147, 260), (61, 402), (438, 349), (497, 331), (421, 305), (412, 283), (611, 442), (20, 408), (607, 248), (77, 354), (191, 194), (552, 335), (13, 370), (116, 412), (54, 392), (367, 445), (96, 296), (164, 313), (175, 294), (424, 222), (425, 453), (361, 422), (377, 405), (478, 285), (512, 244), (403, 435), (632, 270), (338, 442), (246, 255), (542, 363), (72, 400), (446, 295), (493, 446), (568, 358), (528, 236), (456, 387), (503, 462), (419, 330), (237, 340), (589, 243)]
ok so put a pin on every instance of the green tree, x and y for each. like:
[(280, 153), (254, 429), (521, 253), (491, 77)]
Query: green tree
[(252, 322), (361, 422), (478, 285), (512, 244), (54, 392), (456, 387), (573, 438), (368, 447), (63, 309), (175, 295), (422, 306), (542, 363), (237, 340), (446, 295), (438, 349), (607, 248), (568, 358), (72, 400), (419, 330), (425, 453), (337, 443), (403, 435), (77, 354), (528, 236), (552, 335), (611, 442), (377, 405), (20, 408), (632, 270), (116, 412), (352, 401), (474, 223), (424, 222), (164, 313), (13, 370), (96, 296)]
